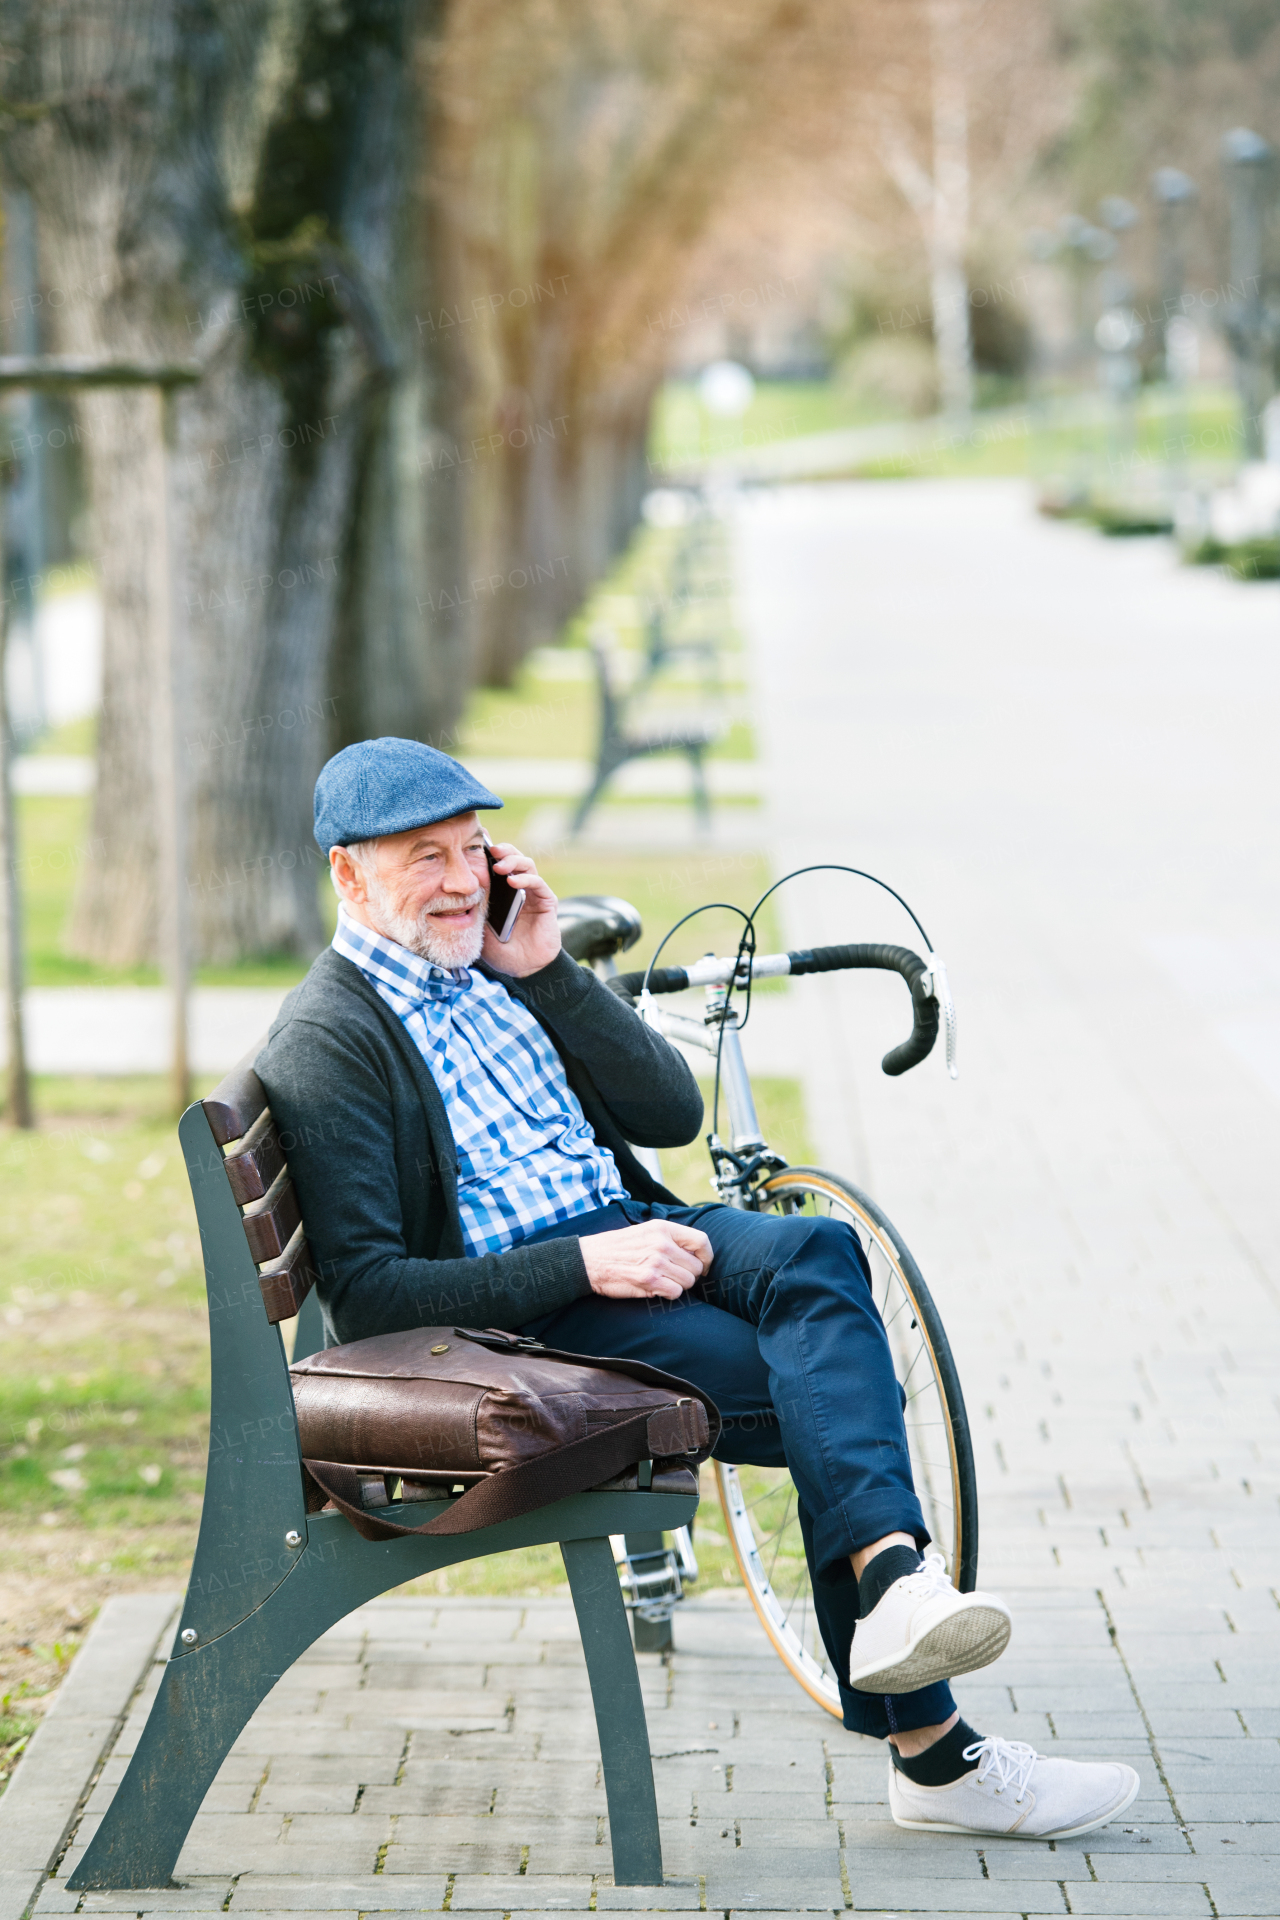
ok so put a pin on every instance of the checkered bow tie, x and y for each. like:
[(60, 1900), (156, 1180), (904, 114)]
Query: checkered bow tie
[(438, 985)]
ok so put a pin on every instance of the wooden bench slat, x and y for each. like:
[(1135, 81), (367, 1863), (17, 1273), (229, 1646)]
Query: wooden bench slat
[(270, 1224), (285, 1286), (236, 1102), (258, 1163)]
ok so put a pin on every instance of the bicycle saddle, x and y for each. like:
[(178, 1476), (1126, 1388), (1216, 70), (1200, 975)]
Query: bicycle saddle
[(596, 926)]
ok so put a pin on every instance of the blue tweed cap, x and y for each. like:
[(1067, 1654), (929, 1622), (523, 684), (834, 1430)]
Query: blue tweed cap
[(389, 785)]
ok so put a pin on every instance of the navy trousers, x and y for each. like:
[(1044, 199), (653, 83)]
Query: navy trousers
[(787, 1341)]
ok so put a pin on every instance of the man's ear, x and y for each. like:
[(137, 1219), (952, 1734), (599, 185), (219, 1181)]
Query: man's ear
[(348, 880)]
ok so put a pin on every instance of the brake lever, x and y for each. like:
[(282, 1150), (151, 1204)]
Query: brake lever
[(934, 980)]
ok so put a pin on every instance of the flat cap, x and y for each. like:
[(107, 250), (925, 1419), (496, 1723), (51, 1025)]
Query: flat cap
[(389, 785)]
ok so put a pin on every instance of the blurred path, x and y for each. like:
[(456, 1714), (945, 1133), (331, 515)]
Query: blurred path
[(126, 1029), (1061, 750)]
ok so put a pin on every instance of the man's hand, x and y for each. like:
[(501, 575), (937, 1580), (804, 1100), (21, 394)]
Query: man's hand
[(535, 939), (656, 1259)]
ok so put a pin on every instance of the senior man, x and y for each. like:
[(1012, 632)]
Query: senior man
[(463, 1115)]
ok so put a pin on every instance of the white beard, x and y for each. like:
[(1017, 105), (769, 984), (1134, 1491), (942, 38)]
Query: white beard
[(422, 933)]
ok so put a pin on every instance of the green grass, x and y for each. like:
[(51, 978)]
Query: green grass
[(545, 717), (536, 719), (1034, 438), (780, 1106), (73, 737), (103, 1309), (684, 433), (16, 1730), (55, 840), (1044, 442)]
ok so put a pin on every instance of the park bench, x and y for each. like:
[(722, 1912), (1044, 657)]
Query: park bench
[(664, 645), (269, 1578), (621, 740)]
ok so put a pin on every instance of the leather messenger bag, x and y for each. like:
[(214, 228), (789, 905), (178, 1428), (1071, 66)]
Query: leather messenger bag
[(513, 1423)]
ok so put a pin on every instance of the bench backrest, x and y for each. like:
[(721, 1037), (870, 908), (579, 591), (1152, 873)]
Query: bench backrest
[(258, 1174)]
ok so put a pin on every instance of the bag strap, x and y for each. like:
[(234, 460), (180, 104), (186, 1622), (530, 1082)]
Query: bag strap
[(503, 1496)]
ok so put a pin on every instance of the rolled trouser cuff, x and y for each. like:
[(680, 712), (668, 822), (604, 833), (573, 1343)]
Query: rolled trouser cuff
[(854, 1523), (880, 1714)]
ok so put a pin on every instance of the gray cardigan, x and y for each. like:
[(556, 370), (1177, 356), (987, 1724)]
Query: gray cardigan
[(368, 1143)]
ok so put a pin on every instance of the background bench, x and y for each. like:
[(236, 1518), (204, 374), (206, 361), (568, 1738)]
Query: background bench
[(623, 738)]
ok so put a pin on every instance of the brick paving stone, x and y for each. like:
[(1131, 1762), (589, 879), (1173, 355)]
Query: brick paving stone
[(322, 1741), (671, 1898), (1260, 1837), (869, 1861), (910, 1894), (749, 1882), (193, 1896), (483, 1856), (317, 1770), (546, 1892), (274, 1893), (1165, 1899), (299, 1797), (1023, 1860)]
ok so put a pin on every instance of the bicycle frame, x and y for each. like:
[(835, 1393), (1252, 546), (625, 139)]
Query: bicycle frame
[(746, 1140), (737, 1164)]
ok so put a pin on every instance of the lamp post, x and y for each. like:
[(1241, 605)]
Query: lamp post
[(1118, 333), (1173, 192), (1083, 247), (65, 373), (1247, 158), (17, 1102)]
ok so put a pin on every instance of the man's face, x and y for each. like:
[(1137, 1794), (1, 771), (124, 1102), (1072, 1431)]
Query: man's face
[(429, 890)]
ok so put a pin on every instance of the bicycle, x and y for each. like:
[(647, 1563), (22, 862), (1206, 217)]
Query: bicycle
[(759, 1504)]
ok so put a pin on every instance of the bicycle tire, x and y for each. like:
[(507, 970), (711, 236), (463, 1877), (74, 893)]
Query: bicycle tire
[(751, 1497)]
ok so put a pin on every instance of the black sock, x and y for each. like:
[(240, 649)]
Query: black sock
[(879, 1575), (943, 1762)]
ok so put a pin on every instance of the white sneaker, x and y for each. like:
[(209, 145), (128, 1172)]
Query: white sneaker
[(922, 1630), (1016, 1792)]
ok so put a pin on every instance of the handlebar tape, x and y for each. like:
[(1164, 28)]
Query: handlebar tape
[(828, 960), (892, 960), (661, 980)]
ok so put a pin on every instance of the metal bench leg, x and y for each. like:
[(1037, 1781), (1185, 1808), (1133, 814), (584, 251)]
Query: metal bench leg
[(206, 1699), (603, 775), (619, 1705), (701, 798)]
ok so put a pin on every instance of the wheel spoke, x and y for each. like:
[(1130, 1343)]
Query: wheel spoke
[(911, 1369)]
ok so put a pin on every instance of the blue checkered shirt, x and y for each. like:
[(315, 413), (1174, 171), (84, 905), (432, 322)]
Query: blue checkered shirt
[(526, 1157)]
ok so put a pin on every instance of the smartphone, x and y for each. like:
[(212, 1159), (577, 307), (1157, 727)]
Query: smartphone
[(505, 901)]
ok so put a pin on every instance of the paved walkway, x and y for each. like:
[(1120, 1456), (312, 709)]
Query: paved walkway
[(1061, 749), (1058, 748)]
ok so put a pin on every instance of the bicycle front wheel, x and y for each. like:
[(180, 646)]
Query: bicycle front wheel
[(760, 1502)]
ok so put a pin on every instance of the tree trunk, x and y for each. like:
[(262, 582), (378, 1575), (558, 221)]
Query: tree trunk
[(940, 201), (238, 182), (949, 218), (587, 147)]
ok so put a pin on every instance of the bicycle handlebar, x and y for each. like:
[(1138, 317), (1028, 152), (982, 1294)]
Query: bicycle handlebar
[(812, 960)]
